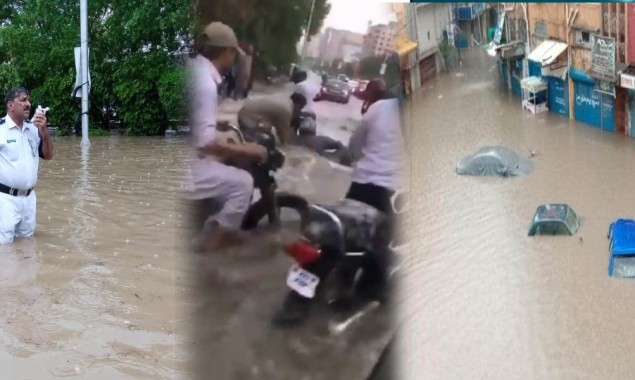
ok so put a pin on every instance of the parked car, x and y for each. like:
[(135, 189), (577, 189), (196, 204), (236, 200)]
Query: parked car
[(334, 90), (343, 78)]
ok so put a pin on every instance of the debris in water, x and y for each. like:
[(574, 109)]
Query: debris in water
[(127, 241), (581, 240), (533, 153), (440, 96), (78, 369)]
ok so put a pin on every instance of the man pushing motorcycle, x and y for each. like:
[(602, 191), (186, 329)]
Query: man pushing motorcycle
[(377, 147), (216, 188)]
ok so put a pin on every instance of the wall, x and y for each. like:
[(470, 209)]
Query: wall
[(433, 19), (553, 15), (349, 52), (589, 18), (630, 39)]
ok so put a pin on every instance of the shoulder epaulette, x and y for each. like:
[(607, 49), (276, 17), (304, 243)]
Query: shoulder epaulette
[(1, 121)]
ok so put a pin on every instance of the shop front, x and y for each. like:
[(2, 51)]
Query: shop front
[(627, 82), (594, 103), (510, 64), (549, 62)]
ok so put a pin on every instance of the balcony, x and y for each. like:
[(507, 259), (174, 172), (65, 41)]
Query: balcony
[(468, 12)]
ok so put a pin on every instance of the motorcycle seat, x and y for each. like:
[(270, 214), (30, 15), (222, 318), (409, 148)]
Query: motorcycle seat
[(360, 222)]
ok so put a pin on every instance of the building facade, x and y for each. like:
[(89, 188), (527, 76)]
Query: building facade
[(380, 38), (432, 20), (580, 50), (337, 44)]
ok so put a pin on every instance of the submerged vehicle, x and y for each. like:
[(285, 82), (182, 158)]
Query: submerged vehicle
[(494, 161), (622, 248), (554, 219)]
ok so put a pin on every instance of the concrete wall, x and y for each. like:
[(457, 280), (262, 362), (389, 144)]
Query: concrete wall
[(553, 15), (432, 19), (589, 18)]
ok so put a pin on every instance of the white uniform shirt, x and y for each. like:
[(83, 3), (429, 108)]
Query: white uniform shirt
[(19, 154), (380, 144), (309, 91), (205, 79)]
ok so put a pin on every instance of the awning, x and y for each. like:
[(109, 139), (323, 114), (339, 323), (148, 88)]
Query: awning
[(506, 51), (547, 52), (405, 46)]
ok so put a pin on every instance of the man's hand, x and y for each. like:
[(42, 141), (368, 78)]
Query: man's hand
[(259, 152), (40, 121)]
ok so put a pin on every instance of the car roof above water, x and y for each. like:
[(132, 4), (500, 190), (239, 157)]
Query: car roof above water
[(622, 235), (558, 213)]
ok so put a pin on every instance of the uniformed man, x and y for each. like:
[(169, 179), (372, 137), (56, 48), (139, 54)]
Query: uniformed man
[(22, 144), (218, 190)]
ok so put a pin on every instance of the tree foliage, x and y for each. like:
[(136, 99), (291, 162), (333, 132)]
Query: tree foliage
[(133, 45), (274, 27)]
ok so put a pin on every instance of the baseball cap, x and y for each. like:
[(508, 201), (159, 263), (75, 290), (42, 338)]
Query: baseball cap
[(221, 35)]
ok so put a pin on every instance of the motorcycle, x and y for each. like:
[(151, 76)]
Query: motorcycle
[(349, 239), (271, 201)]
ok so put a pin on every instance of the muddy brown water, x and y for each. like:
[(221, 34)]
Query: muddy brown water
[(92, 295), (107, 289), (482, 299)]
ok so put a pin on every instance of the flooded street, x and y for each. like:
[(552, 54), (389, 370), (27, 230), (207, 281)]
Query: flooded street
[(92, 295), (239, 291), (482, 299)]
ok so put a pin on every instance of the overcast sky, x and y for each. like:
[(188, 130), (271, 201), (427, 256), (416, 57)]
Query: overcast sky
[(354, 15)]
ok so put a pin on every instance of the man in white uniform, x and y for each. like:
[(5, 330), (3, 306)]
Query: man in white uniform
[(22, 144), (218, 190)]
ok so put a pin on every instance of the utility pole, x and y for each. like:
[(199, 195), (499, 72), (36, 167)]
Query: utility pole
[(308, 27), (83, 16)]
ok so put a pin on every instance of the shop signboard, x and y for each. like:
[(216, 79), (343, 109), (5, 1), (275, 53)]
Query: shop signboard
[(603, 57)]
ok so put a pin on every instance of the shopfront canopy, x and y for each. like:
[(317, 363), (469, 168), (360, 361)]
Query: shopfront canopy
[(547, 52), (405, 46)]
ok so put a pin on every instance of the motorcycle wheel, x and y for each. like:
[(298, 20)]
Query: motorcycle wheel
[(258, 210)]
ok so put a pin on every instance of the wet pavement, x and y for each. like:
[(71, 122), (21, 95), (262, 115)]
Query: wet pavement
[(92, 295), (240, 290), (484, 300)]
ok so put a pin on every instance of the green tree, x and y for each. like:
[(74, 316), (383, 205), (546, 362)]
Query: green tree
[(274, 27), (132, 45)]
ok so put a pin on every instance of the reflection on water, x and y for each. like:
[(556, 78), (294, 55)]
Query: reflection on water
[(92, 295), (484, 300)]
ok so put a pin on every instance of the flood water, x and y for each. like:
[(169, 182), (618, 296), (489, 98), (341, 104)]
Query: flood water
[(92, 295), (238, 291), (482, 299)]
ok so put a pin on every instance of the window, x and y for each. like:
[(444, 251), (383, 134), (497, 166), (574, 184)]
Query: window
[(586, 37), (583, 38)]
